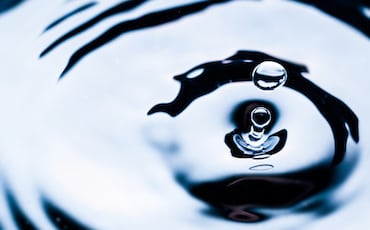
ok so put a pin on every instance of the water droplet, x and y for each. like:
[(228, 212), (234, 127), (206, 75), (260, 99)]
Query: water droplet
[(260, 117), (256, 143), (269, 75), (195, 73)]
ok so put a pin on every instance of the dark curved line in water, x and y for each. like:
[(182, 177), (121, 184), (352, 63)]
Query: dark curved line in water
[(242, 198), (21, 220), (146, 21), (70, 14), (59, 218), (351, 12), (216, 74), (119, 8), (336, 113), (6, 5), (348, 11), (239, 197)]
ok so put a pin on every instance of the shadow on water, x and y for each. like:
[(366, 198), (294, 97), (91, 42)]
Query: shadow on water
[(6, 5), (59, 218), (255, 198)]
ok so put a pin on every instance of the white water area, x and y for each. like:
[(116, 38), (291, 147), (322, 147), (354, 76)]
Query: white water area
[(87, 144)]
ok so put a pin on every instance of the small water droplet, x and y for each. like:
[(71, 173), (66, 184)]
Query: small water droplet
[(260, 117), (256, 143), (269, 75)]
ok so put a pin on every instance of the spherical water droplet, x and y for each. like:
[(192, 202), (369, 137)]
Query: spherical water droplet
[(260, 117), (269, 75)]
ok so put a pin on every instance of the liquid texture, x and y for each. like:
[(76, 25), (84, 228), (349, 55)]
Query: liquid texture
[(240, 67), (57, 217), (256, 143), (240, 197), (235, 197), (348, 11)]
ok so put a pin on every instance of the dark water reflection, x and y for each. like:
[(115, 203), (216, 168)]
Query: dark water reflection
[(254, 196)]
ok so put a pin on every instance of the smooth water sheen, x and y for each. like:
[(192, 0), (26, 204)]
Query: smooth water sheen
[(137, 114)]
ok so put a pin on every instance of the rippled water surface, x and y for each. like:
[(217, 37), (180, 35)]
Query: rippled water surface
[(184, 114)]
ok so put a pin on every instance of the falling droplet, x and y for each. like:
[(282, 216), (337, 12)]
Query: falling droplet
[(260, 117), (256, 143), (269, 75)]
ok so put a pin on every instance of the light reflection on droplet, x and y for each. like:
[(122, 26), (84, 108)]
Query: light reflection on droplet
[(226, 61), (366, 11), (261, 156), (261, 167), (269, 75), (195, 73)]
